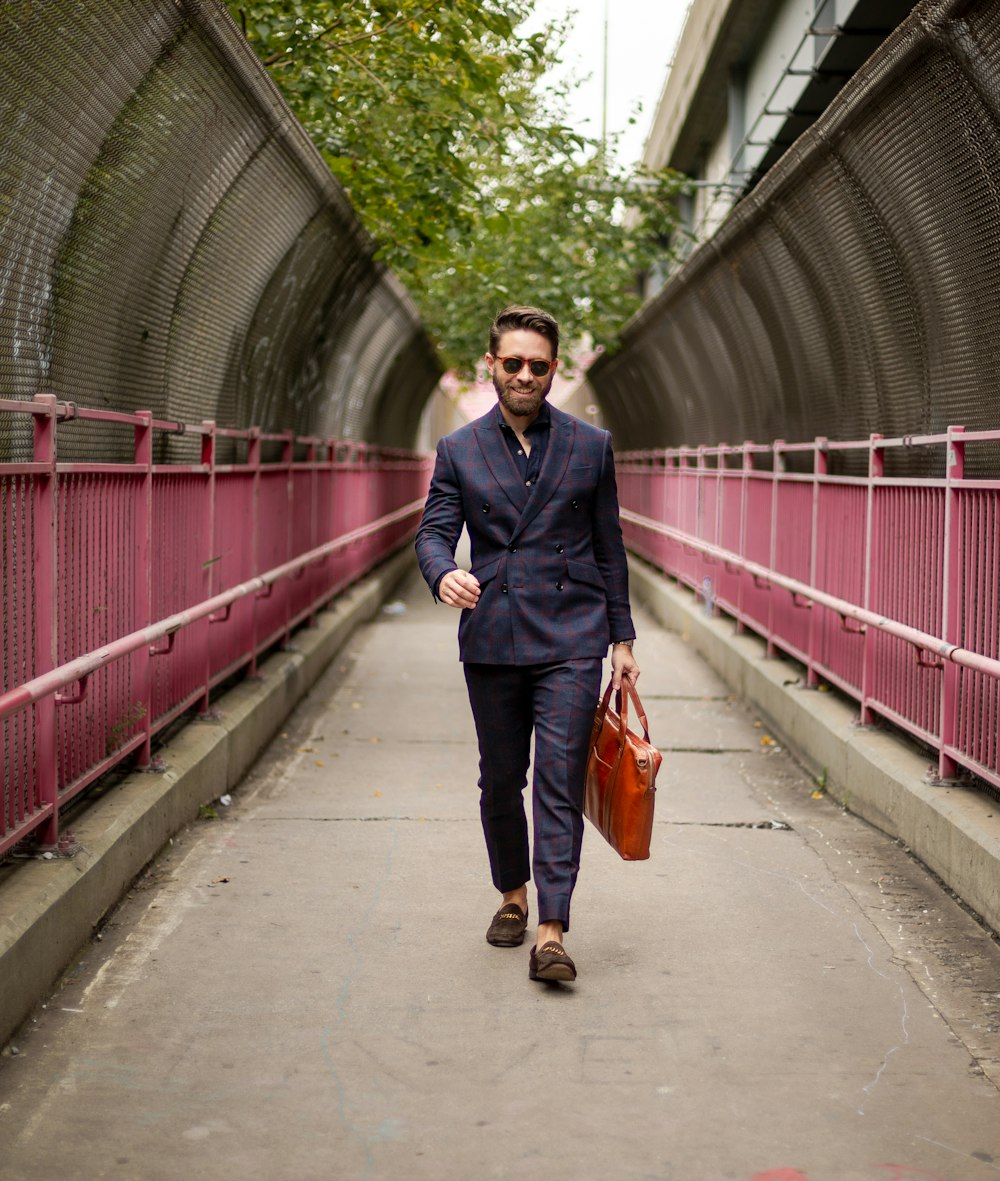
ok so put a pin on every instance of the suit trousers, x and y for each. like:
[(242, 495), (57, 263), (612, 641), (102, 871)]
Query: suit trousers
[(557, 701)]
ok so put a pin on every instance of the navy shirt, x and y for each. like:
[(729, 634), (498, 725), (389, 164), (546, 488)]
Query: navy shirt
[(528, 465), (537, 435)]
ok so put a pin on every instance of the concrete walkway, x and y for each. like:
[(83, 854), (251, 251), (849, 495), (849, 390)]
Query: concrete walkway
[(301, 988)]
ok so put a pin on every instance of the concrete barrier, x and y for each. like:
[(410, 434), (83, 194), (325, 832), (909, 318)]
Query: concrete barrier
[(49, 909), (877, 774)]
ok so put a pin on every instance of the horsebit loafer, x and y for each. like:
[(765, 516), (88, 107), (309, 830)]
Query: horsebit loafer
[(551, 962), (508, 926)]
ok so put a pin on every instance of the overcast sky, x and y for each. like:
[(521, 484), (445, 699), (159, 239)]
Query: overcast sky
[(642, 35)]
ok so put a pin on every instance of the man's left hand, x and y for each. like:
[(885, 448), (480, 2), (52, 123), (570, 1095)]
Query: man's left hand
[(623, 664)]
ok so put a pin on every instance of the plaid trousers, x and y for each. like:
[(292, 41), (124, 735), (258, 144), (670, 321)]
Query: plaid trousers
[(557, 701)]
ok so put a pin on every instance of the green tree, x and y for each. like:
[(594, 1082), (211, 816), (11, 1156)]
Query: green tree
[(459, 161)]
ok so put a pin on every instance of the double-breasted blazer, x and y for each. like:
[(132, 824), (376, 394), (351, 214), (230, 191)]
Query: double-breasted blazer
[(549, 559)]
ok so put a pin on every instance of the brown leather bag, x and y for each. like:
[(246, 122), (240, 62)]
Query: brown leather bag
[(621, 777)]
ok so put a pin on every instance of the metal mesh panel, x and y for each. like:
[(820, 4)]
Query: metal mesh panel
[(855, 289), (169, 238), (17, 659)]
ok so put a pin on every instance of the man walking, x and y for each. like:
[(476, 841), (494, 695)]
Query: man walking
[(546, 594)]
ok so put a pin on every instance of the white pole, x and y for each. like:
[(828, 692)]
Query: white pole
[(604, 97)]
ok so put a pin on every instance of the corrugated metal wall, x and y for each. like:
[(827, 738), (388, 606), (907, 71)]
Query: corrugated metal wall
[(855, 290), (170, 240)]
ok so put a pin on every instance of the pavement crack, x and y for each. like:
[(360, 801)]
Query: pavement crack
[(366, 819), (685, 697), (709, 750), (773, 825)]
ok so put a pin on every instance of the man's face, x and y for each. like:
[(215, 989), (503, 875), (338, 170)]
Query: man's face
[(521, 393)]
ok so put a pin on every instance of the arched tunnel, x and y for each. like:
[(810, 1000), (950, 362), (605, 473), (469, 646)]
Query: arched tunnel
[(173, 244), (215, 403), (149, 265)]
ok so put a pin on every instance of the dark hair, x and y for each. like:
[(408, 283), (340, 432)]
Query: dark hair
[(534, 319)]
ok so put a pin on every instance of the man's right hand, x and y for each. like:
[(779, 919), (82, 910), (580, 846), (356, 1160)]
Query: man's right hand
[(459, 588)]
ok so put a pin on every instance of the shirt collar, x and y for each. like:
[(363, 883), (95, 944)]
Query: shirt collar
[(542, 422)]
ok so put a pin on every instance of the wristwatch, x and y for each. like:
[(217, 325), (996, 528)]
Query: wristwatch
[(623, 643)]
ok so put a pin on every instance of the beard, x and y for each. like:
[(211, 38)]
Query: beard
[(523, 405)]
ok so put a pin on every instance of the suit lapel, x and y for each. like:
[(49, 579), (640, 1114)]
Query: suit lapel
[(500, 461), (561, 435)]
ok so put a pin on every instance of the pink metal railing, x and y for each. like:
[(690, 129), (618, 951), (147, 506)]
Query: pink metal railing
[(887, 588), (130, 590)]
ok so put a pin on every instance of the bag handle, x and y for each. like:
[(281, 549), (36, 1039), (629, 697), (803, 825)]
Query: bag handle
[(630, 691), (621, 704)]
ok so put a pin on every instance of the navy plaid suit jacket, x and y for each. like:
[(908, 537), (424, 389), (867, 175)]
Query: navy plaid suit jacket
[(549, 559)]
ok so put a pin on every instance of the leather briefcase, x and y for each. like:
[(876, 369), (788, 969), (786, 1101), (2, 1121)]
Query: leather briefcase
[(621, 777)]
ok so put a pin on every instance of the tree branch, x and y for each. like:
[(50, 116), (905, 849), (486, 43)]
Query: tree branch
[(374, 77), (276, 58), (385, 28), (281, 58)]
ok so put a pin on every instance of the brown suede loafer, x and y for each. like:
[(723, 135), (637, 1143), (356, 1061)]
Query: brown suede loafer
[(508, 926), (551, 962)]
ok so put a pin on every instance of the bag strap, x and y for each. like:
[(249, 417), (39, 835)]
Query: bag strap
[(602, 713), (640, 712), (621, 705)]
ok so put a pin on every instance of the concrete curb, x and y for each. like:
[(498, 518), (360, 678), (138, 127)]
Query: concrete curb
[(48, 909), (878, 775)]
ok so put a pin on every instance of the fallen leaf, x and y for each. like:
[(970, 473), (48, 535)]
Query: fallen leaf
[(376, 793), (216, 881), (319, 764), (766, 740)]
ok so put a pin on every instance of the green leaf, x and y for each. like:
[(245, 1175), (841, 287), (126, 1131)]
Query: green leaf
[(457, 155)]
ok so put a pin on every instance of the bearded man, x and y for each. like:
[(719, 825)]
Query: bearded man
[(546, 594)]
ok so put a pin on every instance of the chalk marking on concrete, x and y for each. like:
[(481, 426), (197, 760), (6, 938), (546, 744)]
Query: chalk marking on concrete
[(904, 1016)]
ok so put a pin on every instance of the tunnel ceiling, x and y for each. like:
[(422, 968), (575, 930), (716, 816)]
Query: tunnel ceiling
[(172, 241), (854, 291)]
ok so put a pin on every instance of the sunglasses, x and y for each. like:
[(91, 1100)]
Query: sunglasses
[(536, 366)]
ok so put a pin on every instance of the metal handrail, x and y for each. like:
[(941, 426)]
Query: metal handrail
[(924, 641), (80, 668)]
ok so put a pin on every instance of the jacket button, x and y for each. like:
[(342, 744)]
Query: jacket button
[(559, 549), (576, 504), (512, 548), (559, 586), (486, 508), (503, 589)]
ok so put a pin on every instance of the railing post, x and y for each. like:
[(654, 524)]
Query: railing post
[(209, 445), (46, 642), (777, 468), (143, 567), (662, 545), (720, 490), (314, 539), (703, 581), (821, 469), (951, 603), (873, 575), (288, 463), (253, 462), (746, 468)]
